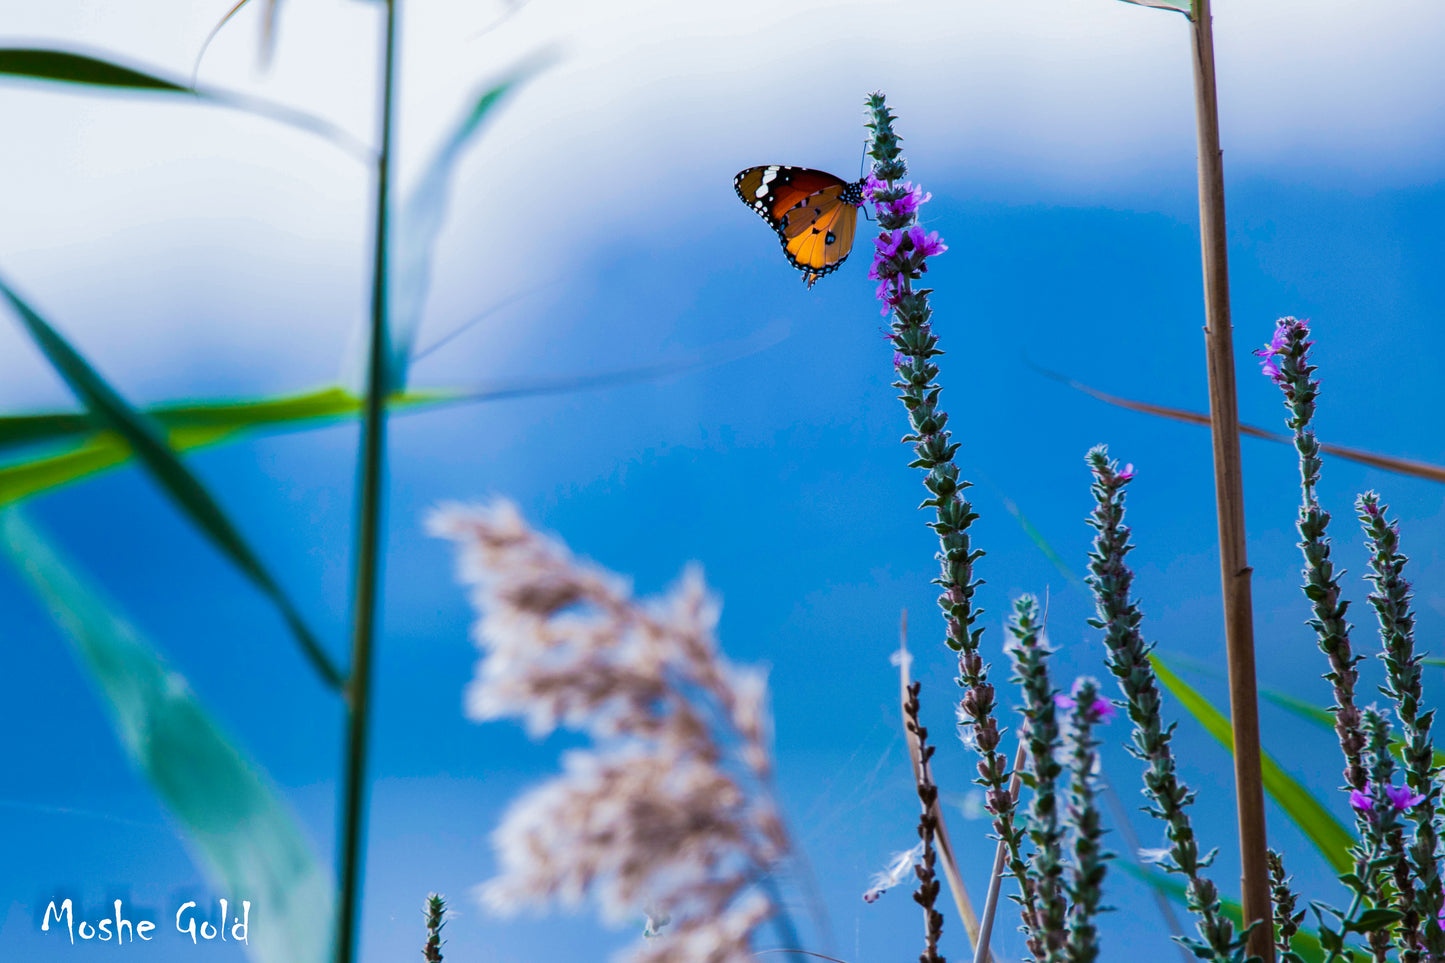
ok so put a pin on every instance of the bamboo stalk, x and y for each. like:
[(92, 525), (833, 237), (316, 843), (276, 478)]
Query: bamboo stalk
[(1229, 494), (367, 562)]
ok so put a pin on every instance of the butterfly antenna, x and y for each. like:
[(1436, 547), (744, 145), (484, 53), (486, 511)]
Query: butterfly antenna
[(863, 175)]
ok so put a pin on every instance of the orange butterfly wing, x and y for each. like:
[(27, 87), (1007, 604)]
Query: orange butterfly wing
[(814, 213)]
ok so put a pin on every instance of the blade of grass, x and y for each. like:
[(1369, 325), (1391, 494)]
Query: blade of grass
[(62, 66), (1327, 834), (366, 578), (194, 425), (1399, 466), (1306, 942), (1307, 711), (279, 412), (421, 215), (67, 67), (241, 833), (149, 445)]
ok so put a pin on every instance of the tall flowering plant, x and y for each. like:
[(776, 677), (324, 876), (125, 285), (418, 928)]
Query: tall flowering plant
[(1397, 896), (1047, 878)]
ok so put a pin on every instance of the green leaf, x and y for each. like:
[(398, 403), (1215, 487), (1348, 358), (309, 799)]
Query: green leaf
[(1373, 919), (187, 427), (1306, 943), (1323, 719), (1314, 820), (241, 833), (279, 413), (73, 68), (1185, 7), (148, 443), (62, 66), (420, 218), (194, 425)]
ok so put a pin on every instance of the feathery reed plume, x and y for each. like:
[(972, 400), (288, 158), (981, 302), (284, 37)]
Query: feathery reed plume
[(927, 893), (1286, 363), (1128, 658), (436, 910), (670, 810), (1391, 600)]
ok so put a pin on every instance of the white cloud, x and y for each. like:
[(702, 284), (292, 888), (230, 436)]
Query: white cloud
[(222, 235)]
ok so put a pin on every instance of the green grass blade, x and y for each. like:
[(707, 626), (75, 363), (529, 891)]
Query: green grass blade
[(1400, 466), (197, 424), (241, 832), (280, 413), (74, 68), (149, 445), (1325, 720), (1314, 820), (63, 66), (1185, 7), (1306, 943), (420, 218)]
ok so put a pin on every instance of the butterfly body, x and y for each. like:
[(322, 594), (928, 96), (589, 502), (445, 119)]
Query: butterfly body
[(814, 213)]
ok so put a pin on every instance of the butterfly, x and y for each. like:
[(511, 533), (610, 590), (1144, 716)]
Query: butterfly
[(814, 213)]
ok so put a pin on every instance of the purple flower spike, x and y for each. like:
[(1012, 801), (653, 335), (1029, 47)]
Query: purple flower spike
[(908, 204), (872, 186), (1102, 709), (926, 245), (1277, 343), (887, 244), (1402, 798)]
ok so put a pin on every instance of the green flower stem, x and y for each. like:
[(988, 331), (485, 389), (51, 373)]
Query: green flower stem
[(1283, 899), (1381, 850), (1044, 918), (916, 345), (436, 909), (1086, 883), (1128, 658), (1322, 584), (365, 600), (1391, 600)]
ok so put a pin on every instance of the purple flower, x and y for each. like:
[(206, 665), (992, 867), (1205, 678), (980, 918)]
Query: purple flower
[(907, 205), (1102, 709), (1279, 344), (898, 358), (1127, 473), (872, 186), (887, 244), (1402, 798), (887, 295), (928, 245)]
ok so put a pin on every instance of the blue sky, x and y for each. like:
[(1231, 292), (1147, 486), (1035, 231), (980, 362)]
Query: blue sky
[(194, 252)]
